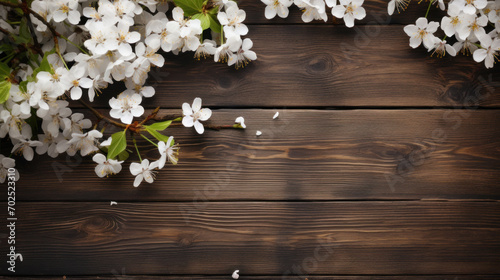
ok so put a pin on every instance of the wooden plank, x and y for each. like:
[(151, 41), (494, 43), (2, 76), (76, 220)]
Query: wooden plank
[(121, 275), (376, 13), (302, 155), (258, 238), (320, 66)]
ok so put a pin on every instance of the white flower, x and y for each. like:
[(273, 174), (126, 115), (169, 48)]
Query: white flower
[(25, 147), (258, 133), (118, 68), (472, 24), (488, 51), (86, 143), (240, 121), (143, 171), (106, 167), (168, 151), (150, 54), (76, 124), (349, 10), (14, 124), (126, 107), (451, 24), (207, 48), (49, 145), (92, 65), (183, 33), (5, 164), (243, 55), (193, 116), (470, 6), (422, 31), (312, 9), (66, 9), (103, 38), (440, 49), (74, 76), (58, 82), (53, 121), (43, 8), (466, 47), (400, 5), (93, 85), (224, 52), (125, 38), (232, 19), (277, 7)]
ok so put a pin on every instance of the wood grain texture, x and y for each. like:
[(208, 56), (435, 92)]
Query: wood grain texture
[(258, 238), (121, 275), (320, 66), (302, 155)]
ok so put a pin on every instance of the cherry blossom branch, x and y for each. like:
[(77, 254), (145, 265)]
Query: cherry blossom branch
[(100, 116)]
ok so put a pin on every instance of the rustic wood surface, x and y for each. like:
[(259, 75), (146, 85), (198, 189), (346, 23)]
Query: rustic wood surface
[(304, 66), (383, 165), (304, 155), (260, 238)]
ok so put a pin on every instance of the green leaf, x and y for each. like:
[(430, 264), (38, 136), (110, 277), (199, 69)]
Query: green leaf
[(208, 20), (156, 134), (24, 31), (214, 23), (190, 7), (160, 125), (4, 91), (6, 48), (204, 19), (123, 156), (4, 70), (118, 144), (45, 65), (23, 86)]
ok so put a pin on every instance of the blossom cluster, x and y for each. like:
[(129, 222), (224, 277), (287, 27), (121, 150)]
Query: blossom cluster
[(467, 21), (74, 49), (349, 10)]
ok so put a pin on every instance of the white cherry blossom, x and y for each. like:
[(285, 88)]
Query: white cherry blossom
[(168, 151), (143, 171), (106, 167), (422, 31), (349, 10), (126, 107), (195, 114), (277, 7), (488, 51)]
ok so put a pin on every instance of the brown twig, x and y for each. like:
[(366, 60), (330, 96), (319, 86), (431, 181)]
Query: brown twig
[(151, 116)]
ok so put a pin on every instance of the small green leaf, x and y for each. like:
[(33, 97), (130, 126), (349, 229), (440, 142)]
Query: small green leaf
[(45, 65), (156, 134), (160, 125), (190, 7), (204, 19), (118, 144), (24, 31), (4, 70), (214, 23), (23, 86), (123, 156), (4, 91), (6, 48)]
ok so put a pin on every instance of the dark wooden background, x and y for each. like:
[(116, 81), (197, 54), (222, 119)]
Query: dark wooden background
[(383, 164)]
